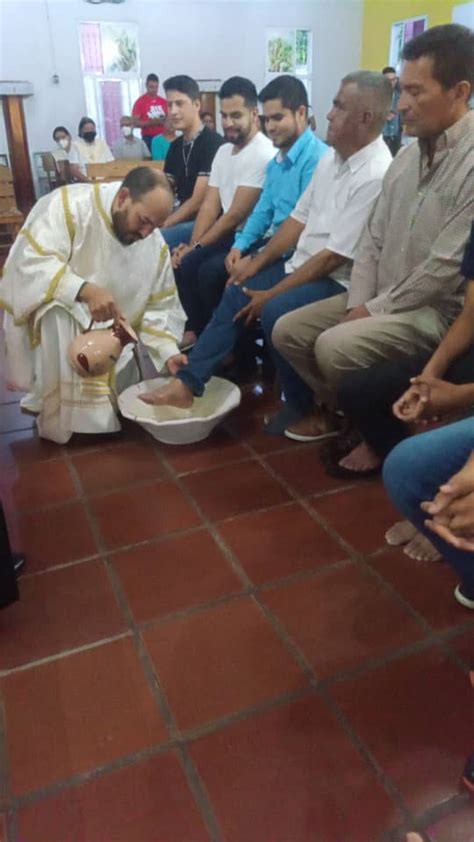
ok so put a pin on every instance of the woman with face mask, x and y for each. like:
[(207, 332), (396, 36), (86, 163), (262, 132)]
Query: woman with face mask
[(92, 149), (66, 151)]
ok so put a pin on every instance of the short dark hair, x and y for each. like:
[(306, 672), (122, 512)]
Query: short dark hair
[(451, 47), (141, 180), (288, 89), (184, 84), (82, 123), (61, 129), (152, 77), (389, 69), (239, 86)]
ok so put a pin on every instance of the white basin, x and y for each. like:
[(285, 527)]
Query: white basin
[(171, 425)]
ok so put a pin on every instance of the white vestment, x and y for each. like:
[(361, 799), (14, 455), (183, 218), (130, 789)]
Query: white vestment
[(68, 239)]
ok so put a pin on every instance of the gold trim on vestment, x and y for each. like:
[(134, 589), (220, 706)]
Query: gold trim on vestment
[(159, 296), (68, 215), (102, 212), (160, 334), (37, 248)]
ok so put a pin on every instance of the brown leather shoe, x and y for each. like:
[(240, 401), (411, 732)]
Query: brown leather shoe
[(318, 426)]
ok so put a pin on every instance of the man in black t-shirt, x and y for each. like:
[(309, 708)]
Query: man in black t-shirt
[(189, 159)]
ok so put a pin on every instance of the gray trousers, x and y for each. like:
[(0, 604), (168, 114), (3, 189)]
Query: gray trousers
[(322, 350)]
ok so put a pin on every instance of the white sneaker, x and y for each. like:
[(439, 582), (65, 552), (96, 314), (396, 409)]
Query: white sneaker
[(31, 403)]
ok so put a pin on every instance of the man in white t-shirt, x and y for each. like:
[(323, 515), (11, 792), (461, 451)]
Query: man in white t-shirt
[(235, 184)]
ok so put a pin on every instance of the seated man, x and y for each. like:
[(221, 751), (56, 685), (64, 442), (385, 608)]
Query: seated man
[(71, 263), (189, 159), (235, 184), (406, 286), (324, 227), (129, 146)]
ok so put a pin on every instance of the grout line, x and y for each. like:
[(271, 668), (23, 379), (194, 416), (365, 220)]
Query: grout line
[(151, 673), (58, 656)]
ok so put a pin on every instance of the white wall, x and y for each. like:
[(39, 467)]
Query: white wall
[(204, 39)]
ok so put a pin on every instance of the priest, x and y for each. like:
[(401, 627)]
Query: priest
[(89, 252)]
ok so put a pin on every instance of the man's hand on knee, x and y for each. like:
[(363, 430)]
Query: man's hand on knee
[(359, 312)]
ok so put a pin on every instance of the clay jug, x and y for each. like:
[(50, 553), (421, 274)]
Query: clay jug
[(95, 352)]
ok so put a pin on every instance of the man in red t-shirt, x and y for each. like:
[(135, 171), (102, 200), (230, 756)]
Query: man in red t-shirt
[(150, 110)]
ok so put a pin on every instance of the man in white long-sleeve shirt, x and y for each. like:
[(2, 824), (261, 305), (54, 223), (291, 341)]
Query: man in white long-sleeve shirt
[(89, 252)]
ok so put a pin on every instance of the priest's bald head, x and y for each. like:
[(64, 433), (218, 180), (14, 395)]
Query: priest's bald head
[(142, 204)]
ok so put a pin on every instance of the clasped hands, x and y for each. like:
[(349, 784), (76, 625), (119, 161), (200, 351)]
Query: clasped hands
[(452, 510), (427, 399)]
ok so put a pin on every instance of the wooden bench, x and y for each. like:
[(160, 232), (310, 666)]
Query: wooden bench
[(117, 170), (11, 219)]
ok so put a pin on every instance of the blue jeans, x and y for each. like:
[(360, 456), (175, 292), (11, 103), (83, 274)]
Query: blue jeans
[(220, 335), (413, 473), (177, 234)]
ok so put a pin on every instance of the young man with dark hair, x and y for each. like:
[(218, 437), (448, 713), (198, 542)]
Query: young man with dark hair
[(392, 130), (72, 263), (405, 287), (150, 110), (235, 184), (189, 159), (323, 230)]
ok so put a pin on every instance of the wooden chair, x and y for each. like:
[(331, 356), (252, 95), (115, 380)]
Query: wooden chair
[(11, 219), (117, 170), (52, 173)]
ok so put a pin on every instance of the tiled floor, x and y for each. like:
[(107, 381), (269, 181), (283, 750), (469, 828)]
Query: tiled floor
[(212, 643)]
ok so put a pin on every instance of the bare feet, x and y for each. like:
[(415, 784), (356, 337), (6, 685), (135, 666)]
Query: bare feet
[(421, 549), (400, 533), (362, 458), (417, 546), (173, 394)]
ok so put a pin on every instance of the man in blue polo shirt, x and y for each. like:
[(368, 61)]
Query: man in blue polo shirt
[(285, 105)]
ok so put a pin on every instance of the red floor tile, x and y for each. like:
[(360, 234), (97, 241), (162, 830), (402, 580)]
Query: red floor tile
[(279, 542), (12, 418), (301, 467), (174, 574), (291, 775), (459, 827), (249, 429), (257, 399), (218, 449), (89, 709), (361, 515), (60, 535), (427, 586), (463, 645), (43, 483), (415, 717), (341, 618), (221, 661), (25, 447), (234, 489), (140, 514), (58, 611), (3, 829), (118, 466), (146, 802)]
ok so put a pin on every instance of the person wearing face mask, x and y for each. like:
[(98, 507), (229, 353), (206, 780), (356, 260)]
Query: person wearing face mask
[(92, 149), (129, 146), (66, 151)]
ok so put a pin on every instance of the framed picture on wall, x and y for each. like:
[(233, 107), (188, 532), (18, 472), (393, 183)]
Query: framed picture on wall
[(403, 31), (289, 51)]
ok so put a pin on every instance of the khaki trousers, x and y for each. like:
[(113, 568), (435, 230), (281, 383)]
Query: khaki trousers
[(322, 350)]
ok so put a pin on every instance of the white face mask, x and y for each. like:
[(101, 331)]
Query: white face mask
[(63, 143), (127, 131)]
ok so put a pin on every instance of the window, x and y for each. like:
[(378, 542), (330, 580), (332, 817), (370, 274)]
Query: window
[(111, 70)]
